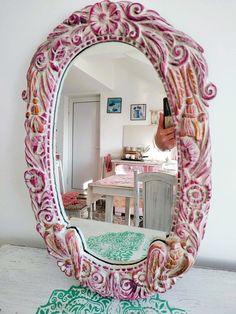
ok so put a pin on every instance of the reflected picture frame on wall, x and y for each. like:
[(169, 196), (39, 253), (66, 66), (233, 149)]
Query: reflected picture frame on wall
[(138, 112), (114, 105)]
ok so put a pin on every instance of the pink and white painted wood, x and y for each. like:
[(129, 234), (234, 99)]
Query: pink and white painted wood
[(179, 62)]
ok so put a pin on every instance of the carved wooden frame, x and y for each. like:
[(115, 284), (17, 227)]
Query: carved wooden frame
[(180, 64)]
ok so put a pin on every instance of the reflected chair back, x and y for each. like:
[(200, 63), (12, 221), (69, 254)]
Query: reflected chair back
[(157, 190)]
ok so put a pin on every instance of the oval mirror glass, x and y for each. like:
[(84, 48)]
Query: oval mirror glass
[(110, 102)]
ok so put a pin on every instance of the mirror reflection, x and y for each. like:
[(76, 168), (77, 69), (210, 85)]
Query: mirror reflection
[(108, 167)]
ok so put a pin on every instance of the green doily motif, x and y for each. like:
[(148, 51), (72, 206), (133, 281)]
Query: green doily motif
[(80, 300), (118, 246)]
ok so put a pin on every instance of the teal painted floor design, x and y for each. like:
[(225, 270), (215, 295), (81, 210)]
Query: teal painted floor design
[(80, 300)]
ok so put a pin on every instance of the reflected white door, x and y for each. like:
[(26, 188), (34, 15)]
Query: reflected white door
[(85, 143)]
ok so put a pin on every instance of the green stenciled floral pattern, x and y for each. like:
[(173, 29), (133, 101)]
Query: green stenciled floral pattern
[(80, 300), (119, 246)]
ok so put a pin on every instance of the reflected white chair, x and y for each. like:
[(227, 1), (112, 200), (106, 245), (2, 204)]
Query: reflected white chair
[(158, 194)]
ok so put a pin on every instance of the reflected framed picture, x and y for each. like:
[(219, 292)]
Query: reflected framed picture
[(138, 112), (114, 105)]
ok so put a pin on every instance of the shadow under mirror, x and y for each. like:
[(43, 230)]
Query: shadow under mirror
[(108, 166)]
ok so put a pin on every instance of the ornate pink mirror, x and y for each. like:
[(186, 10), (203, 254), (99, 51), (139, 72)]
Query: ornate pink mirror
[(179, 62)]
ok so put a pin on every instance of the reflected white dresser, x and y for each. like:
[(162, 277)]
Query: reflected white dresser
[(120, 166)]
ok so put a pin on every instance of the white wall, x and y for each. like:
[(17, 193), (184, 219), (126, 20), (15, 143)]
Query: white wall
[(135, 81), (25, 24), (133, 89)]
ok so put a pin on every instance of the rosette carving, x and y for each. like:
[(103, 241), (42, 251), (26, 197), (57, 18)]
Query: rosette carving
[(104, 18), (35, 180)]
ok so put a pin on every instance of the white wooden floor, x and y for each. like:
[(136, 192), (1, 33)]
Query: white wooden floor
[(28, 276)]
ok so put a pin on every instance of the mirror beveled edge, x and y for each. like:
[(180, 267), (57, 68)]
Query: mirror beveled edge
[(182, 68)]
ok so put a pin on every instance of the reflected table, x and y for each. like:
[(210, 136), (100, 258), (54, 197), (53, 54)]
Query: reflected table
[(116, 185)]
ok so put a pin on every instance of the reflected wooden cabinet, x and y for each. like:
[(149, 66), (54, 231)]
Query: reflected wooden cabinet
[(120, 166)]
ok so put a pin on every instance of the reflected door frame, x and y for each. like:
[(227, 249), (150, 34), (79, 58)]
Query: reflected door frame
[(81, 99)]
